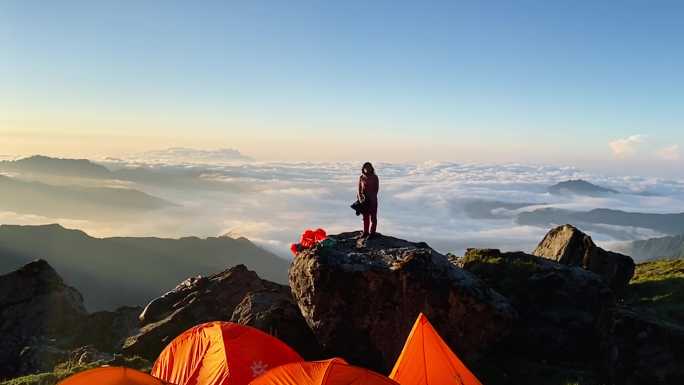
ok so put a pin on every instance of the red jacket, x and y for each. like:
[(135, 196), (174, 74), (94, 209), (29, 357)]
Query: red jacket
[(369, 185)]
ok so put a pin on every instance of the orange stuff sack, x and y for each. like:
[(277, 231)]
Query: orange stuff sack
[(308, 240), (111, 375), (221, 353), (320, 235), (330, 372), (427, 360)]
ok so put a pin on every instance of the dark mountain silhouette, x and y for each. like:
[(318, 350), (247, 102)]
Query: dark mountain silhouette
[(665, 223), (579, 187), (670, 246), (112, 272), (485, 209), (39, 164), (73, 201)]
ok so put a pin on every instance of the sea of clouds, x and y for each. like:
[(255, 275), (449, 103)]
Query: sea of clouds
[(272, 202)]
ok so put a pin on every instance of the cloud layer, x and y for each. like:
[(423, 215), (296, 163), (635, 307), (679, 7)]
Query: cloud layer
[(441, 203)]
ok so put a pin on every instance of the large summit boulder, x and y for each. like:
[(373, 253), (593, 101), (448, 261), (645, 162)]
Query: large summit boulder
[(236, 295), (561, 307), (361, 297), (569, 246), (35, 306)]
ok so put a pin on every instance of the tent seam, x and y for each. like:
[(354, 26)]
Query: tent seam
[(422, 341), (458, 373), (327, 372)]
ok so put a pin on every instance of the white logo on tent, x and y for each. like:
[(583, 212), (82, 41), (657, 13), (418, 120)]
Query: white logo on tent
[(258, 368)]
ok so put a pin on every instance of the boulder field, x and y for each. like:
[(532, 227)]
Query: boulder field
[(357, 298), (236, 295)]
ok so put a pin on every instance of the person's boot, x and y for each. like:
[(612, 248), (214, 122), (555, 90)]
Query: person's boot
[(361, 241)]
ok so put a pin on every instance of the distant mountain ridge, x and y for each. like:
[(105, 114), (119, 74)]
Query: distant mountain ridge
[(72, 201), (580, 187), (111, 272), (672, 223), (485, 209), (41, 164), (653, 248)]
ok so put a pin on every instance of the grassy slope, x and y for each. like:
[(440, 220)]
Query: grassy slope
[(658, 289), (67, 369)]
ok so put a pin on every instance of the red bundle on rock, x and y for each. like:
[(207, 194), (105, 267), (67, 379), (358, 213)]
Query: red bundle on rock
[(308, 240)]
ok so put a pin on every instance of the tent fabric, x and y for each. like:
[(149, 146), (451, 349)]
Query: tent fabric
[(427, 360), (330, 372), (111, 375), (221, 353)]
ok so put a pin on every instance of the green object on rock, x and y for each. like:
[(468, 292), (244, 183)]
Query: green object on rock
[(328, 242)]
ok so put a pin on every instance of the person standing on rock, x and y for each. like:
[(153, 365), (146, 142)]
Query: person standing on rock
[(369, 185)]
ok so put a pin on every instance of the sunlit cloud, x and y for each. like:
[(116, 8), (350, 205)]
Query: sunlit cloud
[(669, 153), (626, 147)]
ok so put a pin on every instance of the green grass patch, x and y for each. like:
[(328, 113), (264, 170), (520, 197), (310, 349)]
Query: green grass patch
[(69, 368), (50, 378), (658, 289), (504, 273)]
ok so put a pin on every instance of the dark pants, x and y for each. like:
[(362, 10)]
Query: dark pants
[(370, 219)]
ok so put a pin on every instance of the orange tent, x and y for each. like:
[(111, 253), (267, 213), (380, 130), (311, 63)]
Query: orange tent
[(427, 360), (112, 375), (331, 372), (221, 353)]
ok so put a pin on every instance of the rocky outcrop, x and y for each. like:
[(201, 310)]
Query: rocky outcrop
[(40, 356), (107, 330), (43, 323), (639, 349), (560, 306), (35, 305), (569, 246), (360, 298), (237, 295)]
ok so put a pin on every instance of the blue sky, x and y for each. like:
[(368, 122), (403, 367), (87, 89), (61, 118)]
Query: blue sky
[(528, 81)]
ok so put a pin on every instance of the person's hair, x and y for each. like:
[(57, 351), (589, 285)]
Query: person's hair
[(368, 166)]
